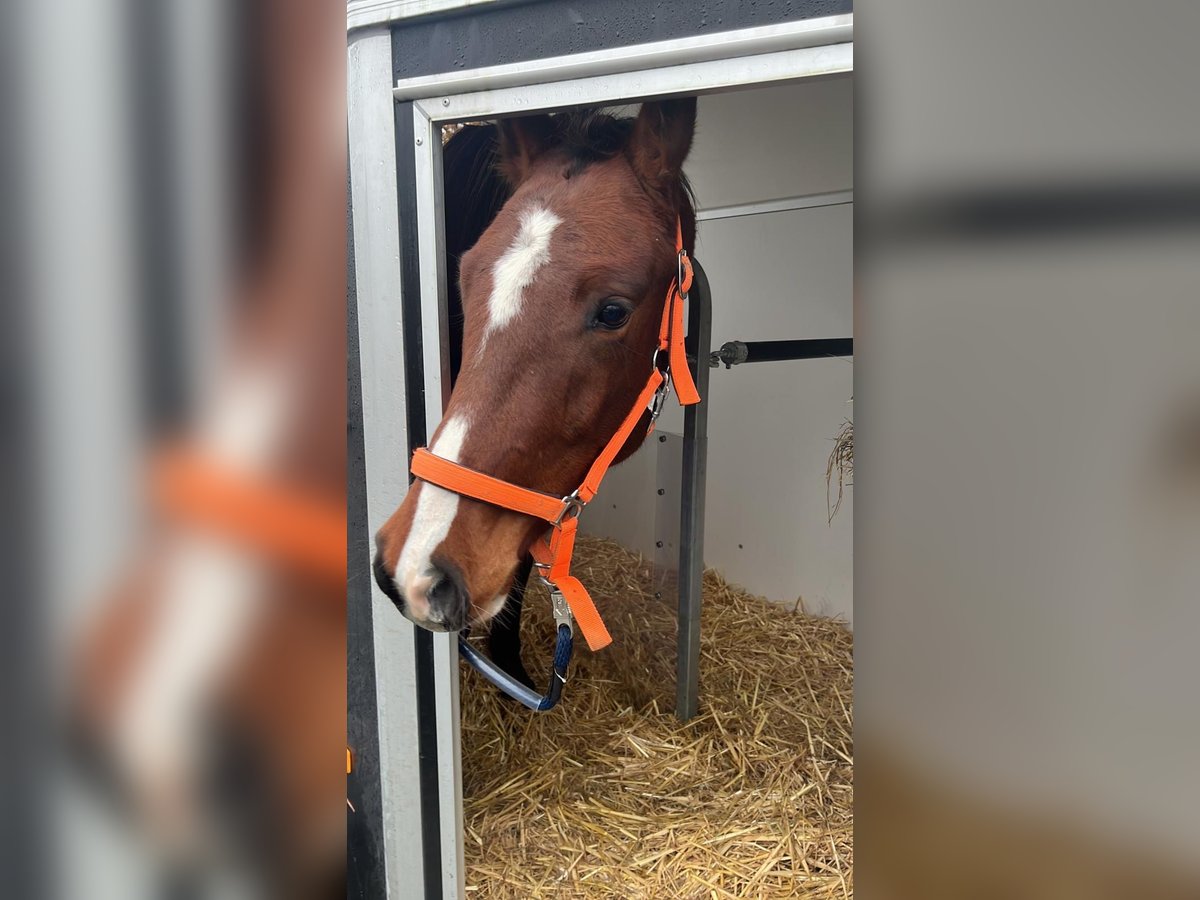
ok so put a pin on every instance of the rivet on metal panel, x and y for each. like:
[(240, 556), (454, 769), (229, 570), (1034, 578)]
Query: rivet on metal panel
[(445, 101), (418, 142), (661, 491)]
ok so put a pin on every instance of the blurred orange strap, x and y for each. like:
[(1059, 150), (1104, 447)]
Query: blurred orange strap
[(295, 527)]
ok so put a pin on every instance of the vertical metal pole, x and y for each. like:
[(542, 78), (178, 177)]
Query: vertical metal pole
[(668, 516), (691, 520), (427, 150), (372, 145)]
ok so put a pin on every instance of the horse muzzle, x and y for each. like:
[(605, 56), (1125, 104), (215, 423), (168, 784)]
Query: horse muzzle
[(436, 600)]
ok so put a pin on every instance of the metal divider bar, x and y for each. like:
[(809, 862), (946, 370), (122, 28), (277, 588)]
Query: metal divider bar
[(783, 204), (691, 519)]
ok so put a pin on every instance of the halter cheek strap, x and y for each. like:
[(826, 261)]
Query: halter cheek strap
[(552, 552)]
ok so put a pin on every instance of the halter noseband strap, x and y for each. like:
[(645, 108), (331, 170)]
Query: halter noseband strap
[(552, 554)]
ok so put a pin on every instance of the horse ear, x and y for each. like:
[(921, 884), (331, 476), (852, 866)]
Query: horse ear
[(661, 139), (521, 142)]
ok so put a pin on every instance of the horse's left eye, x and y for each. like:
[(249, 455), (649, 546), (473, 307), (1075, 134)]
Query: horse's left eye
[(613, 315)]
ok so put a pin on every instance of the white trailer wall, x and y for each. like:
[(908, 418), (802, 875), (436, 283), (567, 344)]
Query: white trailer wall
[(774, 275)]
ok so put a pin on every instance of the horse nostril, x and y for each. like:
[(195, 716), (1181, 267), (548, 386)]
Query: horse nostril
[(448, 599), (385, 581)]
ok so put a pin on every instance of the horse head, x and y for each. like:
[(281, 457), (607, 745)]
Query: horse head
[(562, 299)]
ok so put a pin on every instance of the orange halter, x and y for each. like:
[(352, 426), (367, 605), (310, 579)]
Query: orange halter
[(552, 554)]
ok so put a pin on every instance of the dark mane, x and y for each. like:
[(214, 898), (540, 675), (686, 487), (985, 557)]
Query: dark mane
[(590, 135), (585, 136), (473, 189), (594, 135)]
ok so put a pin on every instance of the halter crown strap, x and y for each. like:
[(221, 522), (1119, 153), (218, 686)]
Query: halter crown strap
[(552, 553)]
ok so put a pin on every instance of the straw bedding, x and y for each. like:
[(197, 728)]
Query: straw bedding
[(610, 795)]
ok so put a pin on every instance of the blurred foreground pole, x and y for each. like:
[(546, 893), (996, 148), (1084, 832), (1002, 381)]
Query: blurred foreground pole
[(1027, 439)]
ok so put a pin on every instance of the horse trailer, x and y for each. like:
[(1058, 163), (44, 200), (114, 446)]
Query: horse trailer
[(737, 482)]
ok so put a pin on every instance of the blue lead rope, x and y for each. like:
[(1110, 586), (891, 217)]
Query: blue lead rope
[(514, 688)]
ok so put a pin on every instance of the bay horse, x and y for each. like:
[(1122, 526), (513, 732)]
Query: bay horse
[(561, 298)]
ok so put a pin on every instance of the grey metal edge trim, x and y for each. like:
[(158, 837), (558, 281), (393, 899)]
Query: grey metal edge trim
[(364, 13), (372, 144), (700, 48), (430, 237), (694, 79), (783, 204)]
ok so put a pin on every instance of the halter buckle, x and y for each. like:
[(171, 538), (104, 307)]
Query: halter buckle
[(573, 505), (681, 259)]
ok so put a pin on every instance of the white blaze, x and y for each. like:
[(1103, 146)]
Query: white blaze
[(515, 270), (436, 509)]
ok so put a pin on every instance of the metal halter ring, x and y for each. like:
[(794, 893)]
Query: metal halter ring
[(573, 505), (666, 357)]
